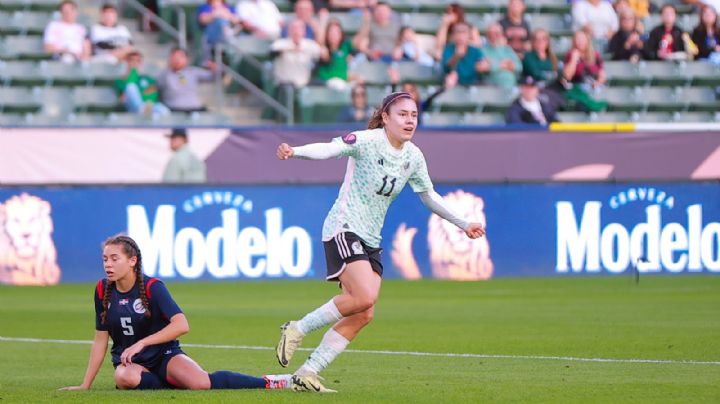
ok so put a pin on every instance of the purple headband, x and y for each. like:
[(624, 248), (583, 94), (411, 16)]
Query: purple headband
[(387, 101)]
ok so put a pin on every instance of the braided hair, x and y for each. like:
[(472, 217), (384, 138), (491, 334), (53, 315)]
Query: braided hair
[(131, 249)]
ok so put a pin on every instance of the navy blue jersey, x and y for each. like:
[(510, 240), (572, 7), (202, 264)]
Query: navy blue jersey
[(126, 322)]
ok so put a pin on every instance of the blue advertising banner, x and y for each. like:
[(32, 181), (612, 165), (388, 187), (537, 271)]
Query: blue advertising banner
[(52, 234)]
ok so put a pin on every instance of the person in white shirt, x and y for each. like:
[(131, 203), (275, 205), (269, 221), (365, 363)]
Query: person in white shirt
[(260, 17), (596, 17), (65, 38), (296, 56), (111, 42)]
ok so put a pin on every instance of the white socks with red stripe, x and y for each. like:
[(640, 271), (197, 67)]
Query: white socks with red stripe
[(324, 315), (330, 347)]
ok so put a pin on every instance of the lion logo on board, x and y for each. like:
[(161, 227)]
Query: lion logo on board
[(27, 251), (452, 254)]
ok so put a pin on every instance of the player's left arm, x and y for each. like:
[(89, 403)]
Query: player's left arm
[(168, 308), (422, 184)]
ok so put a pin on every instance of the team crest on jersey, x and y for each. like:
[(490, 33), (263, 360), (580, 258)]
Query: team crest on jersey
[(357, 248), (406, 166), (138, 306), (350, 138)]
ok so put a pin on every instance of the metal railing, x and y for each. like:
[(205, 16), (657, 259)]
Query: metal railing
[(179, 33)]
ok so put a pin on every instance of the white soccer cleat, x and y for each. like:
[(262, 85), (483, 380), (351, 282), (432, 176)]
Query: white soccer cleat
[(290, 339), (309, 382)]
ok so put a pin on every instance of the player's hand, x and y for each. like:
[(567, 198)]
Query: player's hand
[(73, 388), (284, 151), (475, 230), (127, 355)]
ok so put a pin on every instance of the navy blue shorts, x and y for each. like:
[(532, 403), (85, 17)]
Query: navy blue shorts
[(160, 368)]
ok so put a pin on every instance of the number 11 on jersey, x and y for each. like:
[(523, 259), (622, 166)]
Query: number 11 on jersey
[(384, 184)]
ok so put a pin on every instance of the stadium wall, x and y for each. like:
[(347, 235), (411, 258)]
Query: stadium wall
[(53, 234)]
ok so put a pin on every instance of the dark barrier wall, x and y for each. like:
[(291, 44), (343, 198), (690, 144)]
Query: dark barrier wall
[(52, 234), (247, 156)]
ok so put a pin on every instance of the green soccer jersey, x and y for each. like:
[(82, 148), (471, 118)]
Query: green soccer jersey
[(376, 173)]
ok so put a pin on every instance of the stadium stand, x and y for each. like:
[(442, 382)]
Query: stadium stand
[(36, 88)]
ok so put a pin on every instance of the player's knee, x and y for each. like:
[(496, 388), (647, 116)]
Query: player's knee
[(366, 316), (364, 303), (125, 380)]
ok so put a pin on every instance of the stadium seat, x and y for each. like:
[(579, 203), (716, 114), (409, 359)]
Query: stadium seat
[(208, 119), (456, 99), (693, 117), (56, 73), (573, 117), (418, 74), (424, 23), (623, 73), (701, 73), (548, 7), (660, 99), (653, 117), (620, 98), (441, 119), (6, 24), (317, 104), (95, 99), (609, 117), (482, 21), (11, 120), (250, 45), (475, 6), (699, 99), (491, 98), (350, 22), (556, 25), (87, 119), (376, 94), (25, 5), (20, 72), (18, 100), (23, 47), (56, 101), (103, 73), (29, 22), (375, 73), (126, 119), (661, 73), (483, 119)]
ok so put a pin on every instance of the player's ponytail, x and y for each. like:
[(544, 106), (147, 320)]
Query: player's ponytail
[(141, 285), (376, 120), (109, 286)]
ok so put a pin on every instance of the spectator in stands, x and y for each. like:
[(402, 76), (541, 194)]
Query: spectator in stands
[(528, 108), (179, 83), (184, 166), (596, 17), (540, 62), (408, 47), (584, 71), (454, 14), (335, 55), (462, 60), (358, 110), (412, 89), (261, 18), (626, 44), (665, 41), (295, 56), (217, 20), (351, 5), (378, 34), (715, 4), (305, 12), (111, 42), (139, 92), (706, 34), (505, 66), (515, 27), (640, 8), (65, 38)]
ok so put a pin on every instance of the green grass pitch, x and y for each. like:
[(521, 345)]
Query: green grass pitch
[(663, 318)]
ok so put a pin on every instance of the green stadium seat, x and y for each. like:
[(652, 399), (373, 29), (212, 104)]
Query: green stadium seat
[(95, 99), (418, 74), (20, 73), (556, 25), (573, 117), (475, 6), (491, 98), (23, 47), (693, 117), (56, 101), (653, 117), (24, 5), (376, 94), (11, 120), (29, 22), (688, 22), (320, 104), (456, 99), (483, 119), (561, 46), (609, 117), (441, 119), (250, 45), (623, 73), (6, 24), (481, 21), (661, 73), (18, 100), (208, 119), (404, 6), (660, 99), (699, 99), (424, 23), (374, 73), (548, 7), (57, 73), (620, 98), (701, 73), (103, 73)]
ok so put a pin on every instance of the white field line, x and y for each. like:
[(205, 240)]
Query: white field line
[(400, 353)]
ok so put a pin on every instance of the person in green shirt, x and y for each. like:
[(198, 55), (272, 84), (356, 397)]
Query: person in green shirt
[(335, 54), (505, 66), (139, 92), (183, 166), (540, 62)]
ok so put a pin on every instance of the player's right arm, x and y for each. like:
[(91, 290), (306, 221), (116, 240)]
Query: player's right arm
[(338, 147), (97, 356)]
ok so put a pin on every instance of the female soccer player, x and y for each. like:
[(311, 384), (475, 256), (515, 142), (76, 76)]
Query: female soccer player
[(381, 161), (144, 322)]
